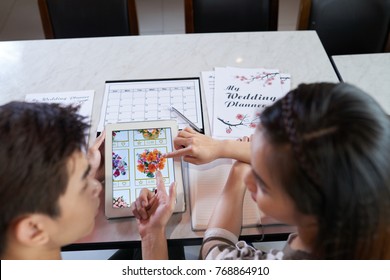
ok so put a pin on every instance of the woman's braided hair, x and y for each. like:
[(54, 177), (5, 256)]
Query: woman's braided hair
[(296, 140), (330, 149)]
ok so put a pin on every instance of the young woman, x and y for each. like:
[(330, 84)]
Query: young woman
[(318, 161)]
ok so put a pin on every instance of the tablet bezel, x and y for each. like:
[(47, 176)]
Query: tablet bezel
[(111, 212)]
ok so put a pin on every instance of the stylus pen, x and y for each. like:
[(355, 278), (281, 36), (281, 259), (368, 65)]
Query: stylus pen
[(194, 127)]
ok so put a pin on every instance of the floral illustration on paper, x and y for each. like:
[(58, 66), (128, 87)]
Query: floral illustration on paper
[(241, 120), (283, 79), (119, 202), (266, 78), (118, 165), (150, 134), (150, 161)]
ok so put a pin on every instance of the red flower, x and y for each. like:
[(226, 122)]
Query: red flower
[(240, 117)]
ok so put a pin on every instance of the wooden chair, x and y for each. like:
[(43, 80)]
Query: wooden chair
[(88, 18), (348, 27), (202, 16)]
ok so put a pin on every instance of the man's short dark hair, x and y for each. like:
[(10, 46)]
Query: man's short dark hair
[(36, 141)]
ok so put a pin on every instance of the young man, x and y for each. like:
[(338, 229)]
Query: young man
[(48, 194)]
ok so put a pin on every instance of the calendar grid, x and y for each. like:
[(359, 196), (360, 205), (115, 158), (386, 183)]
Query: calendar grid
[(151, 100)]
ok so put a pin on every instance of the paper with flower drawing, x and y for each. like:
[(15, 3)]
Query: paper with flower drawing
[(240, 95)]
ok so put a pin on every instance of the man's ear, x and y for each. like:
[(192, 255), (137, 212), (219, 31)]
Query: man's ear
[(32, 230)]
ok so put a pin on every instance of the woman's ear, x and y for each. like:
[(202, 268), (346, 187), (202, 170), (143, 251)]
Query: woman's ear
[(31, 230)]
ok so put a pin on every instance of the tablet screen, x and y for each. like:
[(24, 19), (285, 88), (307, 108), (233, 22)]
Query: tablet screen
[(136, 156)]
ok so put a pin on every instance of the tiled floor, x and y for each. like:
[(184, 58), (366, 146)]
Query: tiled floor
[(20, 20)]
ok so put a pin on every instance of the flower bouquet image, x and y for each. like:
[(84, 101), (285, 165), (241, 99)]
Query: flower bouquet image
[(150, 161), (150, 134), (118, 165), (119, 202)]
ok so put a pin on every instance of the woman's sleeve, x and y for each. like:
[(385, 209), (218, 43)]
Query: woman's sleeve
[(220, 244), (215, 241)]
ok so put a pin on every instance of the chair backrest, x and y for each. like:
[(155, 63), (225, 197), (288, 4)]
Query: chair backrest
[(347, 26), (202, 16), (88, 18)]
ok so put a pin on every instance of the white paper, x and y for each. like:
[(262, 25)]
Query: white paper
[(208, 80), (206, 184), (242, 94), (236, 97), (128, 101), (285, 80), (82, 98)]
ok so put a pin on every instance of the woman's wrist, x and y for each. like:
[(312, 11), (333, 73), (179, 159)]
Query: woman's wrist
[(235, 150), (224, 148)]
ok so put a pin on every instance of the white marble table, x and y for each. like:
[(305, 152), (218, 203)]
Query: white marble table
[(84, 64), (370, 72)]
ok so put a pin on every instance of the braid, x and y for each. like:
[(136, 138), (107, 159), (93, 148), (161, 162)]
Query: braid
[(295, 139)]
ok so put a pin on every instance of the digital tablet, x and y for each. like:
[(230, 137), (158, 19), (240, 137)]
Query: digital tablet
[(137, 149)]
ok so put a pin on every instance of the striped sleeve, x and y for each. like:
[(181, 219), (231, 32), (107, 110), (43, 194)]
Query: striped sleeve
[(220, 244), (215, 240)]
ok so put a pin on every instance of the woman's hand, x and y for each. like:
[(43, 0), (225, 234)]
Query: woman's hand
[(195, 147)]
